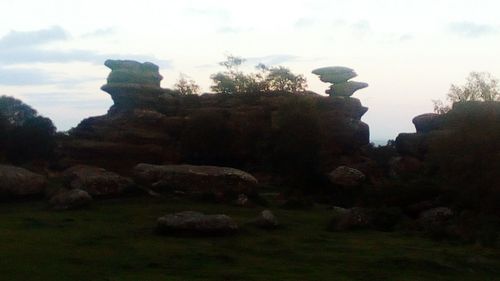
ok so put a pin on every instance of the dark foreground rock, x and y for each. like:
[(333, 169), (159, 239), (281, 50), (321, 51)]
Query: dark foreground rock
[(19, 182), (346, 176), (97, 181), (196, 180), (70, 199), (196, 223), (266, 220)]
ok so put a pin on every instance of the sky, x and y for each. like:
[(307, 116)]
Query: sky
[(410, 52)]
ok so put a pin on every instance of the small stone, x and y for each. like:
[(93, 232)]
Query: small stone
[(70, 199), (196, 223), (266, 220)]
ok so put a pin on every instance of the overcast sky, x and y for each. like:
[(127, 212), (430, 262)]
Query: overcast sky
[(52, 51)]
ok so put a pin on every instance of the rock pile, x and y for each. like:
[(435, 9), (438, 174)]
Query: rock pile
[(19, 182), (339, 77)]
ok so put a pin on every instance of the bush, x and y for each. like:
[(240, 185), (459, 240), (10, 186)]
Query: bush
[(25, 136)]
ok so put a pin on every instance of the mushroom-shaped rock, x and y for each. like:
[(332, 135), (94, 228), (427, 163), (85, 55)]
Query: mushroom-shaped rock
[(132, 84), (346, 89), (335, 74), (133, 72), (19, 182), (196, 223), (339, 77)]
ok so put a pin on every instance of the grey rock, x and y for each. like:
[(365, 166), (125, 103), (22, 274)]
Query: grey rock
[(346, 89), (19, 182), (346, 176), (196, 223), (96, 181), (266, 220), (195, 180), (70, 199)]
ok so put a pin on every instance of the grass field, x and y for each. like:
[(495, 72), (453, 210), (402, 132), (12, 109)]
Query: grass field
[(115, 240)]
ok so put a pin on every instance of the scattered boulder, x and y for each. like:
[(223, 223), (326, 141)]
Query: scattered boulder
[(196, 223), (196, 180), (427, 122), (70, 199), (242, 200), (96, 181), (435, 217), (346, 176), (19, 182), (405, 165), (266, 220), (350, 219)]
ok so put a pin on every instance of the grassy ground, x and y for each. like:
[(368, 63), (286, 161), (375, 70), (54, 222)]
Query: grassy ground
[(115, 240)]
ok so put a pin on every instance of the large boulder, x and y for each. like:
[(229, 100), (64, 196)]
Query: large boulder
[(196, 180), (96, 181), (19, 182), (436, 217), (427, 122), (70, 199), (334, 74), (346, 176), (346, 89), (196, 223)]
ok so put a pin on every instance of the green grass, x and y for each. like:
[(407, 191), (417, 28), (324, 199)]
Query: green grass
[(115, 240)]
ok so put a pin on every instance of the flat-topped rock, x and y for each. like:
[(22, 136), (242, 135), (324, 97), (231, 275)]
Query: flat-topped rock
[(427, 122), (196, 223), (346, 89), (133, 72), (335, 74)]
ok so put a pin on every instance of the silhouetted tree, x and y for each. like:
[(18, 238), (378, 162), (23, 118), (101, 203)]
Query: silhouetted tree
[(480, 86), (186, 86)]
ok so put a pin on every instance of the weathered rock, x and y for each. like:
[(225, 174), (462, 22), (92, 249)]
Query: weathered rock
[(133, 72), (346, 89), (405, 165), (196, 180), (425, 123), (354, 218), (334, 74), (70, 199), (196, 223), (346, 176), (19, 182), (97, 181), (266, 220), (436, 217)]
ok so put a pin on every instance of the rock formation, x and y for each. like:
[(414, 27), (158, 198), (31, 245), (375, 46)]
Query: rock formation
[(148, 124), (339, 77), (96, 181)]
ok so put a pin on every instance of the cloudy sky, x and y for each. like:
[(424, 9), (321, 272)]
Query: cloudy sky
[(52, 51)]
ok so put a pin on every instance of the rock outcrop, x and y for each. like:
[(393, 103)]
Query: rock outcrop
[(149, 124), (18, 182), (222, 182), (196, 223)]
